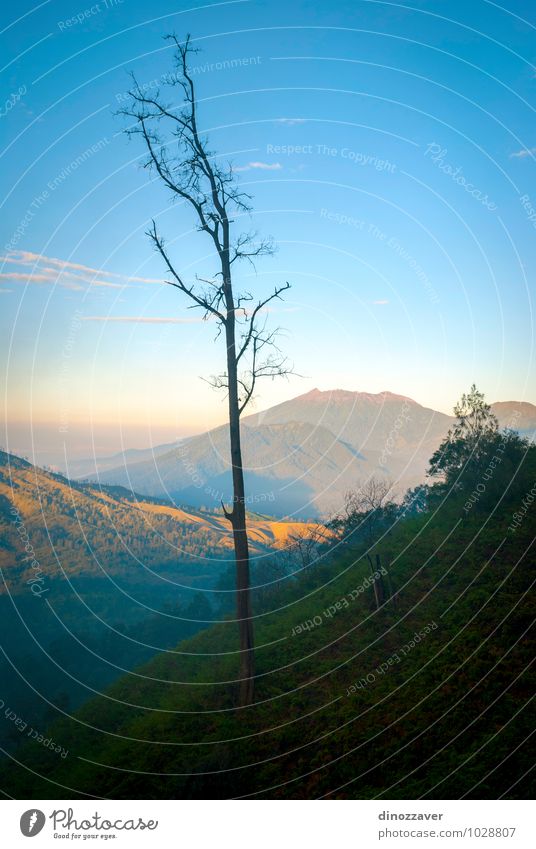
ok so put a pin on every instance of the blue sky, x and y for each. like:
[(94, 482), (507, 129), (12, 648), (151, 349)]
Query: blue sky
[(390, 151)]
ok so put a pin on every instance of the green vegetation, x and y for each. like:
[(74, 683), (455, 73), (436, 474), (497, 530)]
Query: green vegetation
[(424, 690)]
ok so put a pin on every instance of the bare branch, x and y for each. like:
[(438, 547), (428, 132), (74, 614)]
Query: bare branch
[(276, 294), (228, 515), (198, 300), (275, 365), (247, 247)]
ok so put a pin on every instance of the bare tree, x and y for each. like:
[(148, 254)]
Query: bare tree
[(363, 506), (368, 512), (370, 495), (178, 154), (306, 546)]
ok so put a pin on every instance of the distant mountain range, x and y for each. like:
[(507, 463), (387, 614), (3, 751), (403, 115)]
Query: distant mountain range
[(301, 456)]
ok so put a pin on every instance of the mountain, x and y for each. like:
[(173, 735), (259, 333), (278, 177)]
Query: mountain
[(518, 415), (91, 466), (363, 420), (303, 455)]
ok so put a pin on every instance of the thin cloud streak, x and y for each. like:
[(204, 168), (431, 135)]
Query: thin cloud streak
[(263, 166), (56, 269), (67, 280), (521, 154), (290, 122), (133, 319), (41, 278)]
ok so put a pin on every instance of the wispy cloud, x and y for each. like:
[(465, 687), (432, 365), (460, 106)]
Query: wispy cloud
[(29, 277), (135, 319), (290, 121), (381, 302), (69, 275), (17, 275), (521, 154), (263, 166)]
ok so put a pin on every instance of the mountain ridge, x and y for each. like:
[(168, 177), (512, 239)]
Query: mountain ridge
[(302, 455)]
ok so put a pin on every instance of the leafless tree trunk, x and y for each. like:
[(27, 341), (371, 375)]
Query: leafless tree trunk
[(390, 589), (237, 516), (179, 155), (374, 583)]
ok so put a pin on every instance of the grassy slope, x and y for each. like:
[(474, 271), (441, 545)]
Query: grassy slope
[(450, 719)]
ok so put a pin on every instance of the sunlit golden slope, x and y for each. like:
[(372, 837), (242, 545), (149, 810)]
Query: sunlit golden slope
[(71, 528)]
